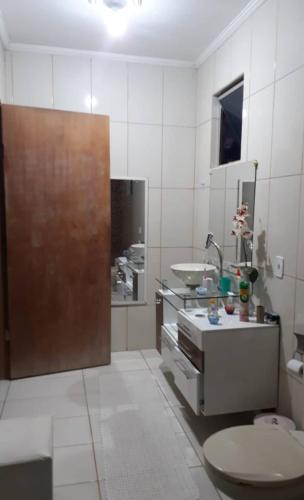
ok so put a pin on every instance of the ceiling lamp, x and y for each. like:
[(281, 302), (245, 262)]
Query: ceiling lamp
[(115, 14)]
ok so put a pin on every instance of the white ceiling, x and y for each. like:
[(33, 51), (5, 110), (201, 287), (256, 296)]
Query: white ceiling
[(171, 29)]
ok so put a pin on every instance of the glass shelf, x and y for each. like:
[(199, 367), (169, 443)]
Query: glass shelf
[(188, 295)]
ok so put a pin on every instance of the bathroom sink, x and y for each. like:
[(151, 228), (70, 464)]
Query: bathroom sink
[(191, 274), (138, 250)]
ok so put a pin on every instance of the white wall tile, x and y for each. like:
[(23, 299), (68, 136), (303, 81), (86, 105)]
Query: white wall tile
[(201, 217), (263, 46), (290, 36), (283, 220), (205, 86), (241, 53), (300, 259), (154, 217), (109, 88), (177, 213), (153, 272), (299, 314), (170, 256), (145, 94), (141, 327), (144, 152), (32, 79), (279, 296), (118, 148), (292, 398), (288, 125), (261, 223), (178, 157), (180, 96), (203, 154), (245, 129), (260, 130), (72, 83), (119, 333), (223, 66)]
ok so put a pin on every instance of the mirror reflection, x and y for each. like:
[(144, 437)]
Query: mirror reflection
[(128, 250), (232, 199)]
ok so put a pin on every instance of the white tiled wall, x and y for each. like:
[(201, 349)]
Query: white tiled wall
[(152, 135), (270, 52)]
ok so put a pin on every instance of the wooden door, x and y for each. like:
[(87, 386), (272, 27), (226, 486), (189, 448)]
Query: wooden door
[(57, 191)]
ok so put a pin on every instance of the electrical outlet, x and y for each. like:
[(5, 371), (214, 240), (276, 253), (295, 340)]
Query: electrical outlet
[(279, 267)]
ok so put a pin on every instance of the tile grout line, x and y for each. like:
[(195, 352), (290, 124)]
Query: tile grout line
[(91, 430), (5, 399)]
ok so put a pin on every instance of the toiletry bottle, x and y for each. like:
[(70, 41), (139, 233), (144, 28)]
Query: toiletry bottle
[(244, 300), (213, 315)]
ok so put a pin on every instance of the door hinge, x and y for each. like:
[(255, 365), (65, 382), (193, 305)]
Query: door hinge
[(7, 336)]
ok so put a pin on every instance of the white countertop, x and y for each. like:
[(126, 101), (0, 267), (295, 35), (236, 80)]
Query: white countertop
[(226, 322)]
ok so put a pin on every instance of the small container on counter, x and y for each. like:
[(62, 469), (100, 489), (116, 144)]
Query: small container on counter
[(230, 305), (260, 314), (244, 300), (272, 318)]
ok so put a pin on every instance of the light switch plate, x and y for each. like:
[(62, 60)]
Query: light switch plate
[(279, 267)]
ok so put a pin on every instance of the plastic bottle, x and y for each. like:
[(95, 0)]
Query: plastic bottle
[(244, 300), (213, 315)]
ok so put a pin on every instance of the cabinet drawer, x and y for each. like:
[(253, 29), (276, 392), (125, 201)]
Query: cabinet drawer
[(168, 344), (191, 351), (188, 380)]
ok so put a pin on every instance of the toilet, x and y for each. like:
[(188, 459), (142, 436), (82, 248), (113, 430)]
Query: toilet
[(253, 462)]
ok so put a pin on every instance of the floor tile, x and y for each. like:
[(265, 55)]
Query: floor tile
[(223, 496), (114, 389), (84, 491), (191, 458), (151, 486), (152, 358), (72, 406), (205, 486), (4, 385), (199, 428), (72, 431), (74, 464), (41, 387), (120, 362), (165, 381), (176, 426)]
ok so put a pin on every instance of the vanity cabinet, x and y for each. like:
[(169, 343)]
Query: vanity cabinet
[(225, 368)]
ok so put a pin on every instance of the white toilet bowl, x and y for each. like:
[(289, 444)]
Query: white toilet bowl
[(256, 463)]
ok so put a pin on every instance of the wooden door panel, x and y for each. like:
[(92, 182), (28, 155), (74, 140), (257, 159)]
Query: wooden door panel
[(56, 167)]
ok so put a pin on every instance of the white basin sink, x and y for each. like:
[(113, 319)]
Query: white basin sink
[(192, 274), (138, 250)]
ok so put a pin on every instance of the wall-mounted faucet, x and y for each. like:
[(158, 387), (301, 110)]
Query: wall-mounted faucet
[(210, 241)]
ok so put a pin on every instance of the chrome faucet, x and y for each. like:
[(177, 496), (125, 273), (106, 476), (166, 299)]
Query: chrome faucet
[(210, 241)]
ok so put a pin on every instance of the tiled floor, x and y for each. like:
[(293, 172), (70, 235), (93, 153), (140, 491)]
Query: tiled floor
[(80, 405)]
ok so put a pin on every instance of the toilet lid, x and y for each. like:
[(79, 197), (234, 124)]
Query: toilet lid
[(256, 455)]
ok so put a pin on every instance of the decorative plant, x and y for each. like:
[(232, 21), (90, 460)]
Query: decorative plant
[(240, 227)]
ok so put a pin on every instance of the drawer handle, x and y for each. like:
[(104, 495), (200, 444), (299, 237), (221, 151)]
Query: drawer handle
[(186, 332), (186, 351)]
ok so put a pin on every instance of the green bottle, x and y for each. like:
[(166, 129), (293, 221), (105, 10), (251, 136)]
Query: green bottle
[(244, 300)]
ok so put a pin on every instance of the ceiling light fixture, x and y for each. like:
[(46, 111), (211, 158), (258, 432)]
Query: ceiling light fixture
[(115, 14)]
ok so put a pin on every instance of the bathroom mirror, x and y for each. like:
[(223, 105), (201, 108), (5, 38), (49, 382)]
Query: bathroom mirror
[(231, 186), (128, 242)]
